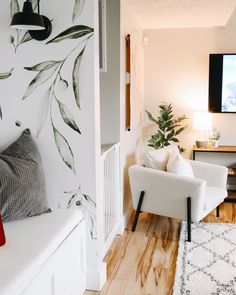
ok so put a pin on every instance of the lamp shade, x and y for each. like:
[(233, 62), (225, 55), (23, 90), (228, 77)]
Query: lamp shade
[(202, 121), (27, 19)]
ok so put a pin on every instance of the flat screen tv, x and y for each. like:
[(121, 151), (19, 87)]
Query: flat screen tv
[(222, 83)]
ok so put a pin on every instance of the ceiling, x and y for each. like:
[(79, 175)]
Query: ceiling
[(154, 14)]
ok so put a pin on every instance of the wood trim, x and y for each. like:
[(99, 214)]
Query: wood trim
[(221, 148), (127, 95)]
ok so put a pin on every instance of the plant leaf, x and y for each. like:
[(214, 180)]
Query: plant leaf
[(43, 110), (75, 77), (92, 229), (43, 66), (174, 139), (0, 112), (39, 79), (74, 32), (26, 37), (6, 74), (150, 117), (170, 135), (34, 4), (14, 7), (70, 203), (64, 149), (180, 130), (67, 116), (78, 7), (90, 200)]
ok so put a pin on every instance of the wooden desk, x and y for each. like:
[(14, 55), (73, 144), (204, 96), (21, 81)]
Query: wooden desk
[(221, 149)]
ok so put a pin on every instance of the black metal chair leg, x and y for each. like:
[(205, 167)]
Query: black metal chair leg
[(218, 211), (189, 218), (138, 210)]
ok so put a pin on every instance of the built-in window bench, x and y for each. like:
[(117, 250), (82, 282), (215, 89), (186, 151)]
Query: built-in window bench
[(44, 255)]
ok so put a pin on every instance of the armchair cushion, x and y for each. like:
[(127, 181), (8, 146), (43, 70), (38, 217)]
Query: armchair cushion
[(158, 159), (214, 196), (215, 175), (178, 165)]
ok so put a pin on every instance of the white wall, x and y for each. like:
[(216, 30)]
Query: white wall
[(131, 141), (110, 79), (176, 71)]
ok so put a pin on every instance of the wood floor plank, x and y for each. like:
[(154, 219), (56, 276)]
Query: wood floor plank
[(116, 287), (143, 262)]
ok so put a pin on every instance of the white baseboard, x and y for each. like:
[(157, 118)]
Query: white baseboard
[(96, 279), (124, 220), (79, 286)]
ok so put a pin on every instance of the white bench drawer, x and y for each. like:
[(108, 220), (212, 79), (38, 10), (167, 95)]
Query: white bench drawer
[(63, 269)]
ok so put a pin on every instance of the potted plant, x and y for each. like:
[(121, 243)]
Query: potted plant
[(168, 127), (214, 138)]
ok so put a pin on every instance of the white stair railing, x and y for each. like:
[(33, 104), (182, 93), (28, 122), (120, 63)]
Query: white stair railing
[(111, 193)]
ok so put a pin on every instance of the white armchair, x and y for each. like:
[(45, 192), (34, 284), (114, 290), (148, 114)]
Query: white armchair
[(178, 196)]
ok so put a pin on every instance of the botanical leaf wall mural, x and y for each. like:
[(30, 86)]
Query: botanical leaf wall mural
[(64, 148), (78, 7), (5, 75), (74, 32), (79, 199), (67, 116), (76, 74), (14, 7), (53, 86), (47, 69)]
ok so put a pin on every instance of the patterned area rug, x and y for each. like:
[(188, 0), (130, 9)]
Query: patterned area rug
[(207, 265)]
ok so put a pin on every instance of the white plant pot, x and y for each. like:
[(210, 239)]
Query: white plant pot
[(213, 143)]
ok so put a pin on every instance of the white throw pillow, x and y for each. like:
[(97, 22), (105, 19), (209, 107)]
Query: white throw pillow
[(178, 165), (157, 159)]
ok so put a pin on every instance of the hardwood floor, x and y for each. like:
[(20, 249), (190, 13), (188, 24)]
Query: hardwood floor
[(143, 262)]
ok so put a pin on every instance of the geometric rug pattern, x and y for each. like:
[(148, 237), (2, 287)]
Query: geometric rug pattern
[(207, 265)]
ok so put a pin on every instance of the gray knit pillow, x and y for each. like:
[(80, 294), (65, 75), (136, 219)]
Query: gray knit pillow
[(22, 183)]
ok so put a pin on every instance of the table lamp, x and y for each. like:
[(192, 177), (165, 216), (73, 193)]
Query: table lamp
[(202, 121)]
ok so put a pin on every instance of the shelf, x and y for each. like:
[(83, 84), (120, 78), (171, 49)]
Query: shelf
[(231, 171), (220, 149)]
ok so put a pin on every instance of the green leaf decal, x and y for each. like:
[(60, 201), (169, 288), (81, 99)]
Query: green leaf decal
[(64, 149), (90, 200), (92, 228), (75, 77), (34, 4), (43, 110), (26, 37), (14, 7), (39, 79), (6, 74), (74, 32), (0, 112), (67, 116), (43, 66), (78, 7), (71, 201)]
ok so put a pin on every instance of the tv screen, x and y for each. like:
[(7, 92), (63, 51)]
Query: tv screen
[(222, 83)]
